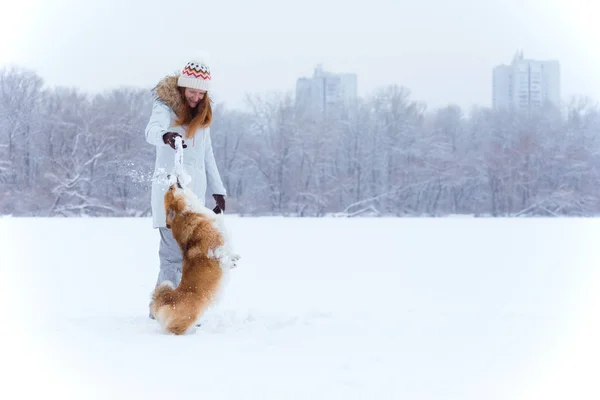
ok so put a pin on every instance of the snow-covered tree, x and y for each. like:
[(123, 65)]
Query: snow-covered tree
[(20, 93), (65, 152)]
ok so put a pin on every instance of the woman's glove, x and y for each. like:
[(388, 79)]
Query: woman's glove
[(220, 199), (169, 138)]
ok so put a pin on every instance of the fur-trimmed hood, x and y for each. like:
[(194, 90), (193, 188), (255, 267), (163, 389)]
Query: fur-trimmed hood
[(167, 91)]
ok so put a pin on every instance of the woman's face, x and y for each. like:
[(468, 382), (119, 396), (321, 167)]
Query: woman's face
[(193, 96)]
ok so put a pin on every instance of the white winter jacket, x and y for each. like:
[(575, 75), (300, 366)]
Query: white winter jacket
[(198, 158)]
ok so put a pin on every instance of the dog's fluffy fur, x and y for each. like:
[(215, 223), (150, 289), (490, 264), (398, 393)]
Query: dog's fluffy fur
[(206, 252)]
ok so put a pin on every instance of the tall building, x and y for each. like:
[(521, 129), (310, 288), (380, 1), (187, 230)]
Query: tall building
[(326, 92), (526, 84)]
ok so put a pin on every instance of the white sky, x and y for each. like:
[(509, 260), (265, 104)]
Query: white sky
[(444, 51)]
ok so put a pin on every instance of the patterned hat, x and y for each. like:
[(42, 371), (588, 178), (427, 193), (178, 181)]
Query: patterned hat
[(195, 75)]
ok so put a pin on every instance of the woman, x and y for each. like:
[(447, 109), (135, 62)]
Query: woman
[(182, 107)]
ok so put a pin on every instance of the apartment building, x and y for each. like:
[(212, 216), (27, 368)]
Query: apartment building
[(326, 92), (526, 84)]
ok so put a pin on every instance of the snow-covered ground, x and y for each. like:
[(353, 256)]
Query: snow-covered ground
[(452, 308)]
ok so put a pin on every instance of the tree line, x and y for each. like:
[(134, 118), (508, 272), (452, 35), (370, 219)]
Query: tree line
[(64, 152)]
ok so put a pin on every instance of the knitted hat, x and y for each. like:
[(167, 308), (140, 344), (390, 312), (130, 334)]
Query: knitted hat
[(195, 75)]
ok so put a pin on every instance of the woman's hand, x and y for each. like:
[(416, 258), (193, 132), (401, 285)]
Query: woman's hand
[(169, 138), (220, 199)]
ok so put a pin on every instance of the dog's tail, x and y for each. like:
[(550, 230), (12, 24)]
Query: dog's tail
[(162, 301), (174, 311), (161, 290)]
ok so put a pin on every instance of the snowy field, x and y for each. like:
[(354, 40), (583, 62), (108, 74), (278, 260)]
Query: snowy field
[(454, 308)]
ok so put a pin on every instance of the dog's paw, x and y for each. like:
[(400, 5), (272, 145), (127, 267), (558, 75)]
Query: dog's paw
[(229, 262), (219, 253), (234, 260)]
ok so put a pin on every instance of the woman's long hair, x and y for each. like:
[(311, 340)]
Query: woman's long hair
[(194, 118)]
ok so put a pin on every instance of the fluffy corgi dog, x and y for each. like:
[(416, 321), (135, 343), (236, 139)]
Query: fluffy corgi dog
[(206, 252)]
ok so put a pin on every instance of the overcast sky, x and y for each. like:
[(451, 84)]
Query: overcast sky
[(442, 50)]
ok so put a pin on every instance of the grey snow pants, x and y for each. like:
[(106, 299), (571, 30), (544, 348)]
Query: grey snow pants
[(170, 258)]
